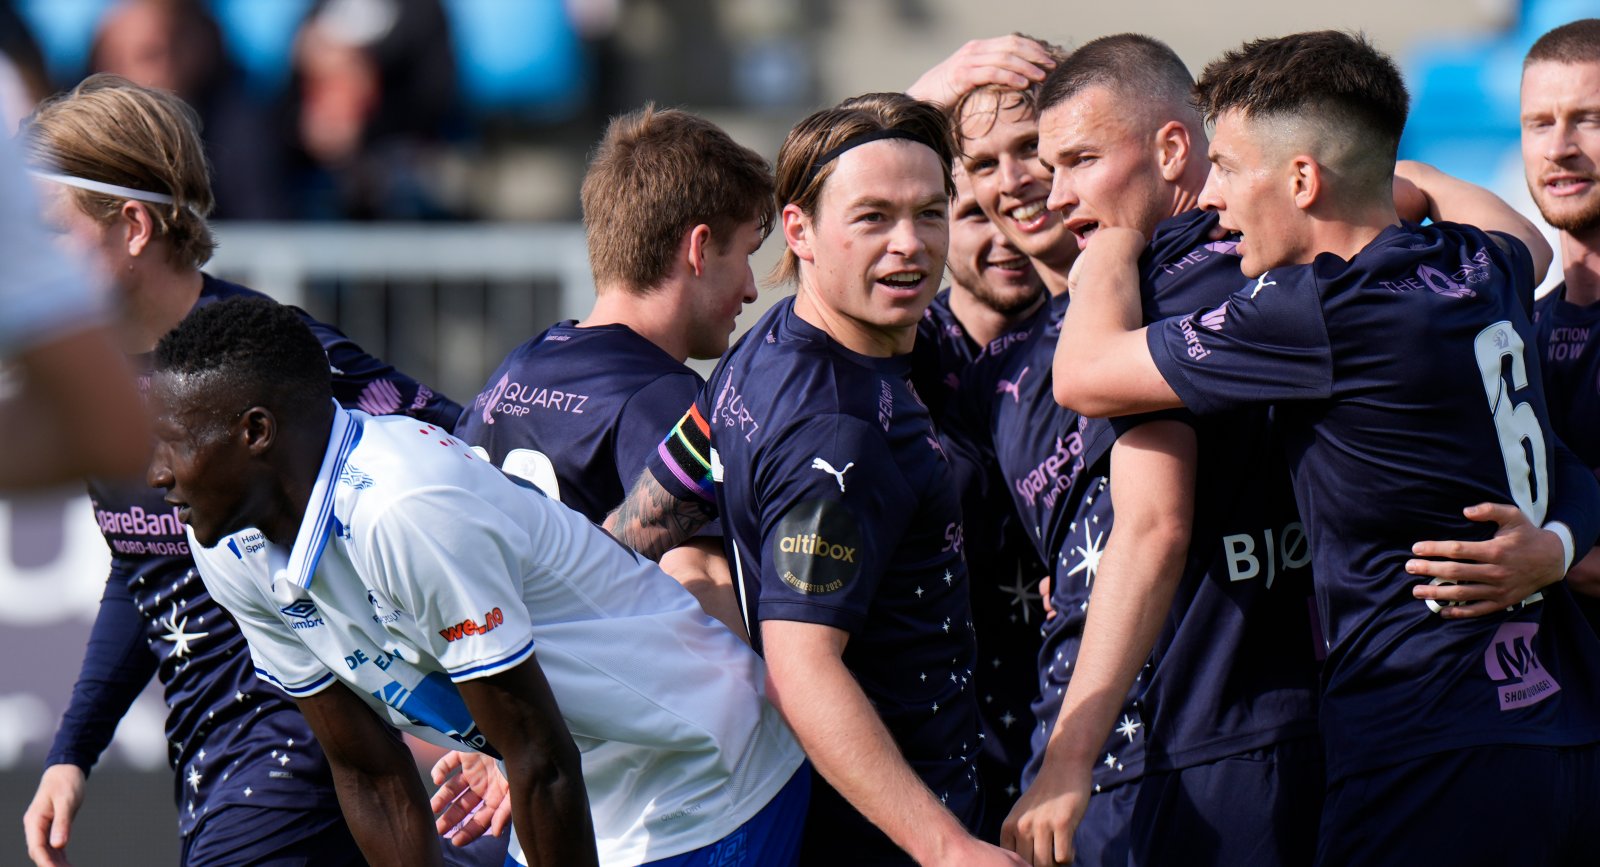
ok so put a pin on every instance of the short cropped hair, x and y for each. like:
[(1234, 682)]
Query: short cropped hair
[(262, 350), (989, 100), (110, 130), (1351, 93), (1137, 67), (657, 174), (824, 130), (1577, 42)]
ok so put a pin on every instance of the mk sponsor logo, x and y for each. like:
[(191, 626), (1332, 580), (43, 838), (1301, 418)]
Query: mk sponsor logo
[(469, 627), (1512, 662)]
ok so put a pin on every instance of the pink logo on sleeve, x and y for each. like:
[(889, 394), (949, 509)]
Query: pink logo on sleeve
[(1513, 664)]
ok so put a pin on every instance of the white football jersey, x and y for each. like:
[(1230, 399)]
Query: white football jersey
[(418, 565)]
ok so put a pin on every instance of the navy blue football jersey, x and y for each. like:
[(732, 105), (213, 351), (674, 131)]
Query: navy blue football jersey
[(1051, 464), (232, 738), (578, 411), (941, 355), (839, 507), (1407, 387), (1236, 667), (1569, 355)]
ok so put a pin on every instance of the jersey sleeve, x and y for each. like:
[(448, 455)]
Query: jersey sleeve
[(374, 386), (1520, 267), (1576, 501), (1266, 343), (279, 657), (116, 666), (649, 416), (833, 508), (448, 559), (683, 462)]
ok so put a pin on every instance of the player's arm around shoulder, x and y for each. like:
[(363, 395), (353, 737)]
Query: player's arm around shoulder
[(1447, 198)]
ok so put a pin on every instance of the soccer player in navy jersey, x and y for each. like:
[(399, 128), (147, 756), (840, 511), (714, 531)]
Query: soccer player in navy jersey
[(1227, 699), (838, 502), (1561, 155), (673, 209), (993, 288), (126, 184), (1396, 357)]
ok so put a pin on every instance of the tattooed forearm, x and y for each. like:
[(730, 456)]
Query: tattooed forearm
[(652, 521)]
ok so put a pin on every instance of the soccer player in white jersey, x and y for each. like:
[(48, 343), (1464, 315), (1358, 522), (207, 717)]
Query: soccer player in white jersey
[(382, 573)]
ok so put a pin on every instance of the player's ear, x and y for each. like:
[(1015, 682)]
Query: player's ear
[(135, 219), (1173, 150), (1305, 181), (695, 248), (257, 430), (797, 232)]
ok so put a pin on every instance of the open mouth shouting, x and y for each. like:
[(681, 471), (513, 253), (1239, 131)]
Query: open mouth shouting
[(1082, 229)]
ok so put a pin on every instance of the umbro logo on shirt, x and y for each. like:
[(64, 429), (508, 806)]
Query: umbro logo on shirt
[(838, 475)]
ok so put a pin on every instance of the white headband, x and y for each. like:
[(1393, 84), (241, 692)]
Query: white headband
[(100, 187)]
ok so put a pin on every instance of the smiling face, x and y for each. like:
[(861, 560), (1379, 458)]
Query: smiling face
[(875, 248), (1561, 142), (1000, 151), (983, 261), (1106, 167), (201, 459), (1251, 188)]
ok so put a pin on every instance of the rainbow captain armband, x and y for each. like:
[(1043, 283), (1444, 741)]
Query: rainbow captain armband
[(687, 453)]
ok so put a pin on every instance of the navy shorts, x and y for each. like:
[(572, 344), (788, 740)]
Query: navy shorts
[(1259, 808), (1102, 836), (271, 837), (1489, 806)]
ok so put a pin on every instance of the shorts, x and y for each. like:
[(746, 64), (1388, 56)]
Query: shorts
[(1492, 805), (1260, 808), (271, 837)]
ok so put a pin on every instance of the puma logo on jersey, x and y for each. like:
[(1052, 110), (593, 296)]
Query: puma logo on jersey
[(838, 475), (1261, 283), (1013, 388)]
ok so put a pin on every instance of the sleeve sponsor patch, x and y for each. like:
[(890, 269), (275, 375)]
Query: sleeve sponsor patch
[(817, 547)]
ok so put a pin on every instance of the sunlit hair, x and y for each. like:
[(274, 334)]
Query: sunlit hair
[(1577, 42), (824, 130), (1137, 68), (1346, 97), (657, 174), (979, 109), (110, 130)]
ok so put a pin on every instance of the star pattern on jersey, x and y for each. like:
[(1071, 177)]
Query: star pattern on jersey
[(194, 779), (1090, 553), (178, 634), (1128, 727), (1022, 592)]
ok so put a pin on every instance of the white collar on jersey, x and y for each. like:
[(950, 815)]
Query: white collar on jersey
[(290, 583)]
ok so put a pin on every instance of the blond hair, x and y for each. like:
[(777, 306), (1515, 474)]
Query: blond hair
[(110, 130)]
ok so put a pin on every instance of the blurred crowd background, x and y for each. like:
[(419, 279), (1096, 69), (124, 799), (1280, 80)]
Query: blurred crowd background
[(409, 169)]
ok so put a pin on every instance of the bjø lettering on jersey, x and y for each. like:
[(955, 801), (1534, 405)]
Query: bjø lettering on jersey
[(469, 627), (1512, 662), (1282, 549)]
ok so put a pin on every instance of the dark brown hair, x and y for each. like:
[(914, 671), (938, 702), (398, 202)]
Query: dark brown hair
[(1133, 65), (824, 130), (657, 174), (111, 130)]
